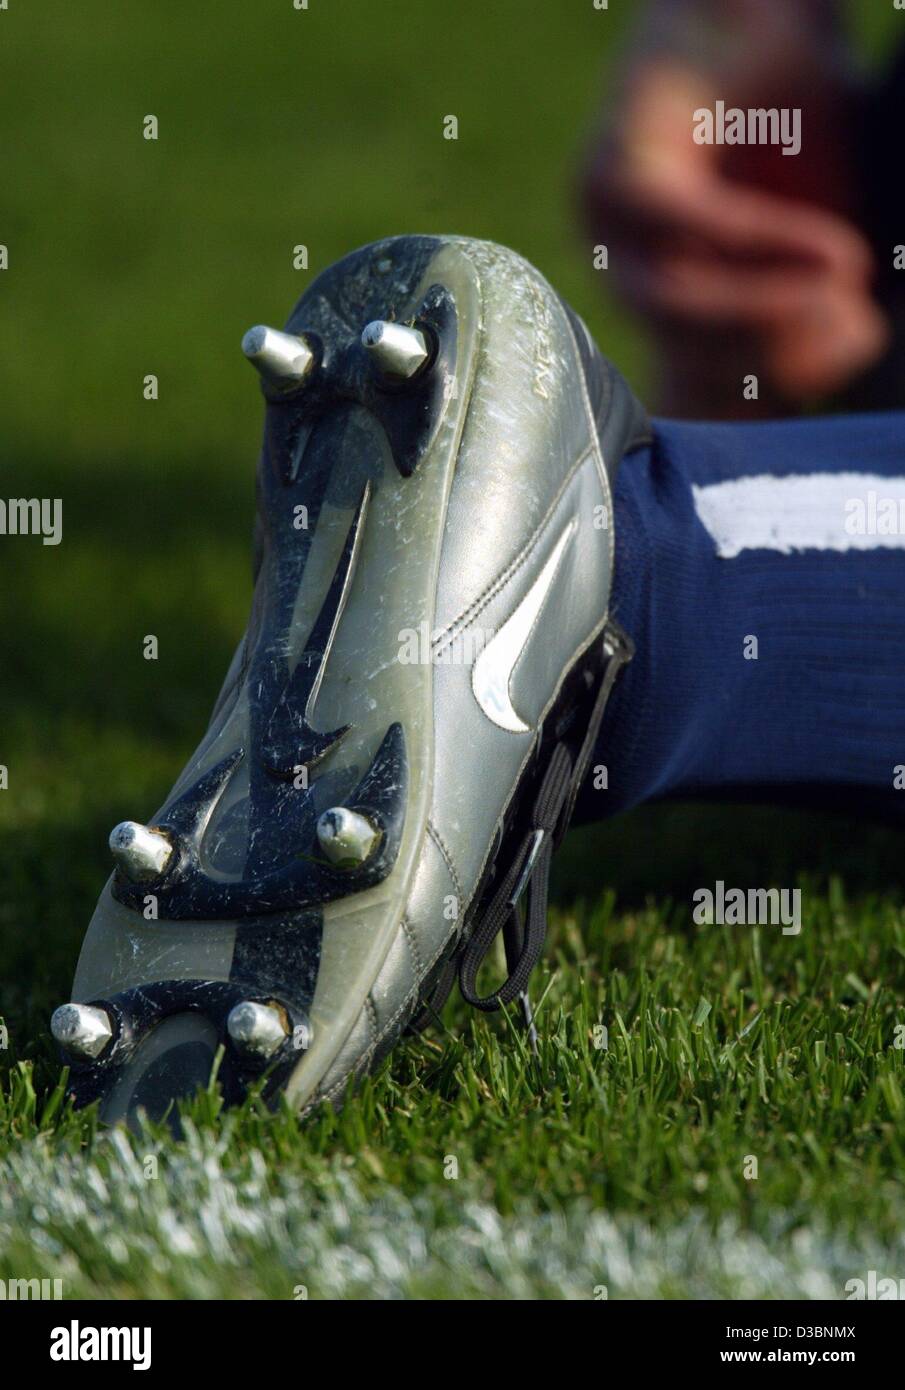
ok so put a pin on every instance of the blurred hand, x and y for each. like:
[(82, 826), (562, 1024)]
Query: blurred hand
[(744, 260)]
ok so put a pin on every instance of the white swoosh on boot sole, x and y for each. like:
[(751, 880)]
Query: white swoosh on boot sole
[(492, 671)]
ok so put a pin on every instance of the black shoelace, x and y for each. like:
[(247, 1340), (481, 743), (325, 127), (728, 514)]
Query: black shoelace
[(529, 873)]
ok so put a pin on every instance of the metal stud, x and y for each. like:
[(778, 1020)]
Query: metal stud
[(282, 359), (141, 852), (398, 351), (255, 1028), (82, 1029), (346, 837)]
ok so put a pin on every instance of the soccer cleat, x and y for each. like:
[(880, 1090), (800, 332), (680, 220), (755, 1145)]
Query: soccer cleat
[(400, 738), (142, 853), (80, 1030), (400, 352), (283, 359)]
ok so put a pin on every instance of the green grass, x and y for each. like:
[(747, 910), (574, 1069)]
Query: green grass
[(620, 1166)]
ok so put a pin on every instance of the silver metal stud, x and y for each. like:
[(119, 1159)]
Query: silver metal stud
[(141, 852), (259, 1029), (82, 1029), (346, 837), (397, 350), (283, 359)]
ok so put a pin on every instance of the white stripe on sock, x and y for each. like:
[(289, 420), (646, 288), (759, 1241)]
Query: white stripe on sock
[(804, 511)]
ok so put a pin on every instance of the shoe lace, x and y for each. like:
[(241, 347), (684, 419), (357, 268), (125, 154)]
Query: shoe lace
[(528, 876)]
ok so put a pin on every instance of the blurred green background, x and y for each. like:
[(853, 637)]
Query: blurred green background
[(277, 127)]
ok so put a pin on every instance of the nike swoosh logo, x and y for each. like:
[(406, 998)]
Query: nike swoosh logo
[(492, 671), (288, 739)]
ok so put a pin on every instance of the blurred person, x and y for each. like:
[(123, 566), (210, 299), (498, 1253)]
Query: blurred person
[(748, 258)]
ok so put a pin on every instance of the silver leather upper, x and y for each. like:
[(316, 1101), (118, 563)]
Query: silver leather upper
[(530, 491), (498, 540)]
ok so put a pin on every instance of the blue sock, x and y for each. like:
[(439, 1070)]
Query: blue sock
[(760, 571)]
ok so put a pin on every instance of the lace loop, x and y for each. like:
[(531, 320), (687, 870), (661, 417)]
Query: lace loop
[(528, 875), (529, 872)]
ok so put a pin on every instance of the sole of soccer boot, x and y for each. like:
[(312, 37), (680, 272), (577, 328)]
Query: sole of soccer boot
[(260, 921)]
